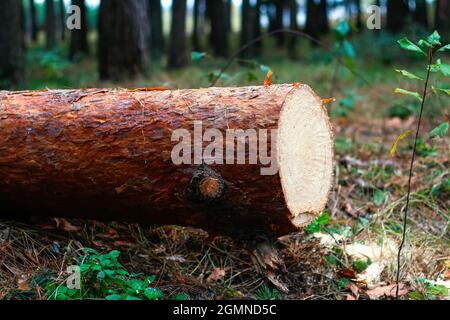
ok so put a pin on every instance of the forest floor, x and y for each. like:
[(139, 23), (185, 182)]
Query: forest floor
[(351, 253)]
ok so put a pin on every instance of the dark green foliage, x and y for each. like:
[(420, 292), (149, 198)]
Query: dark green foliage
[(102, 276)]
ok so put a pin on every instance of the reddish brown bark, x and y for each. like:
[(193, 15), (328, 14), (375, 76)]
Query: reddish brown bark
[(106, 154)]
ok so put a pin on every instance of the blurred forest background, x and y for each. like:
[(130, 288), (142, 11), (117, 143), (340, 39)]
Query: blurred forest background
[(185, 44), (122, 41)]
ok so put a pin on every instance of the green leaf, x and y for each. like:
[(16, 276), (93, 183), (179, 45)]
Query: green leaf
[(264, 68), (423, 43), (323, 219), (361, 265), (446, 47), (153, 294), (442, 67), (415, 295), (397, 141), (440, 131), (251, 77), (343, 283), (408, 93), (113, 297), (434, 39), (437, 290), (408, 74), (434, 67), (406, 44), (150, 279), (181, 296), (317, 224), (445, 69), (197, 56), (380, 197), (348, 49), (343, 28), (447, 91)]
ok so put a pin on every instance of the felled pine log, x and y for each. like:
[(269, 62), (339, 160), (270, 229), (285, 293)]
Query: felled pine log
[(168, 156)]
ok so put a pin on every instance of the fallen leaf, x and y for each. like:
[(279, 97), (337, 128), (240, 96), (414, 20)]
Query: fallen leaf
[(65, 225), (216, 274), (348, 273), (372, 275), (267, 80), (387, 252), (121, 243), (350, 297), (110, 234), (387, 291), (354, 289), (23, 283), (327, 101), (399, 138)]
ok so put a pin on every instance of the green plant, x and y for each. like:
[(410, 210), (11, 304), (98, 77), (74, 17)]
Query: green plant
[(380, 197), (431, 291), (103, 277), (344, 54), (318, 224), (428, 48), (361, 265), (264, 292), (180, 296)]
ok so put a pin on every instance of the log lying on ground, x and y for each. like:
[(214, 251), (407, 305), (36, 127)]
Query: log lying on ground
[(107, 154)]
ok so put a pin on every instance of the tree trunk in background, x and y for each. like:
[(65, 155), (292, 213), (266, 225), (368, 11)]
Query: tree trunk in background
[(123, 39), (442, 19), (279, 6), (177, 51), (198, 14), (358, 15), (79, 37), (247, 32), (293, 26), (397, 13), (50, 28), (156, 28), (312, 19), (420, 13), (228, 14), (33, 22), (23, 23), (219, 33), (62, 19), (324, 26), (257, 28), (11, 46), (271, 15)]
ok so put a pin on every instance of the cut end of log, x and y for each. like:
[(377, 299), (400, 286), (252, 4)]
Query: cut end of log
[(305, 151)]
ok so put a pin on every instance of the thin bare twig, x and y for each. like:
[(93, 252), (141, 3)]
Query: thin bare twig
[(285, 30), (405, 216)]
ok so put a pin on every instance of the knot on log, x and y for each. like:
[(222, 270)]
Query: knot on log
[(206, 185)]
